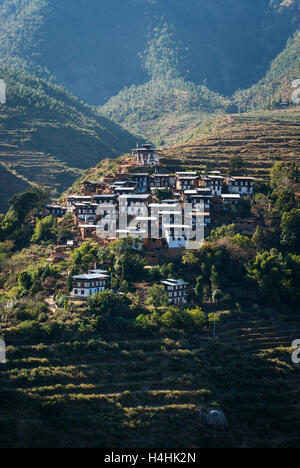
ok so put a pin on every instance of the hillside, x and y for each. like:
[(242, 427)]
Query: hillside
[(128, 390), (164, 110), (262, 138), (48, 137), (94, 47), (276, 86)]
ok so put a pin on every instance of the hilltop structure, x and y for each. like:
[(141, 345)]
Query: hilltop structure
[(146, 156)]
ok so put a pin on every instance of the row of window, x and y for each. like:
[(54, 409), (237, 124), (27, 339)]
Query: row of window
[(180, 294), (92, 285), (90, 292)]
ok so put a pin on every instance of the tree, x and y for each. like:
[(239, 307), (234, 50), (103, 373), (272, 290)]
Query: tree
[(237, 166), (224, 231), (24, 202), (25, 280), (157, 297), (84, 257), (286, 201), (270, 273), (260, 240), (214, 279), (284, 174), (200, 287), (108, 303), (261, 206), (290, 231), (217, 295), (45, 230)]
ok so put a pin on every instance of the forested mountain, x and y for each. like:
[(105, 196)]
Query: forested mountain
[(48, 137), (97, 47), (276, 86)]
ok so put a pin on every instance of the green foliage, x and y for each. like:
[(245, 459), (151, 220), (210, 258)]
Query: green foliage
[(285, 202), (274, 88), (44, 230), (237, 166), (108, 303), (15, 225), (284, 174), (173, 317), (34, 279), (85, 256), (157, 297), (49, 132), (259, 239), (219, 233), (270, 273), (200, 287), (162, 56), (290, 231), (163, 194), (244, 242)]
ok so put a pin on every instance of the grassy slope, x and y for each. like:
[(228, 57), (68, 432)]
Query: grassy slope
[(262, 138), (123, 390), (48, 137)]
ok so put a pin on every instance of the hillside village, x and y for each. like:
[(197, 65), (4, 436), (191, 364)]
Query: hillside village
[(168, 212), (146, 297)]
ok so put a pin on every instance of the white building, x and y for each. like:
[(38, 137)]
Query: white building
[(177, 291), (215, 183), (85, 286), (241, 185), (146, 156)]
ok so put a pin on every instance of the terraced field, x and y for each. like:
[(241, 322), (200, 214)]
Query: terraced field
[(124, 390), (262, 138)]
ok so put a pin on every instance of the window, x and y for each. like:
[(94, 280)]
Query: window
[(76, 291)]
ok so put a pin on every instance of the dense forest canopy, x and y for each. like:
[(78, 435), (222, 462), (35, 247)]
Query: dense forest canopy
[(94, 48)]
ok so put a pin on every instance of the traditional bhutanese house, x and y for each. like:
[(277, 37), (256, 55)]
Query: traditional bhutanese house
[(230, 199), (141, 179), (146, 155), (198, 197), (134, 204), (186, 180), (177, 291), (245, 225), (85, 286), (85, 213), (241, 185), (92, 187), (162, 181), (215, 183), (73, 199), (54, 210), (107, 221), (125, 190), (106, 199)]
